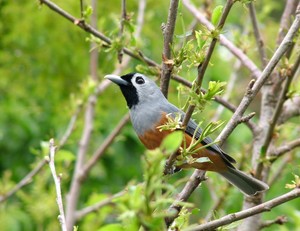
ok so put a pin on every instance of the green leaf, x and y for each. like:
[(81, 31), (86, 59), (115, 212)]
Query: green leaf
[(199, 37), (45, 147), (203, 160), (88, 12), (172, 142), (64, 155), (112, 227), (216, 14)]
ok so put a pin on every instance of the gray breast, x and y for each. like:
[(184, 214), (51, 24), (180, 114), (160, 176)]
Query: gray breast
[(146, 117)]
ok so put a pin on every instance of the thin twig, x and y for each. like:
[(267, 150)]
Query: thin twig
[(81, 9), (74, 192), (258, 38), (168, 33), (122, 22), (278, 152), (95, 207), (286, 19), (245, 60), (94, 52), (102, 148), (280, 169), (56, 178), (264, 207), (197, 177), (26, 180), (291, 108), (229, 88), (278, 221), (70, 127)]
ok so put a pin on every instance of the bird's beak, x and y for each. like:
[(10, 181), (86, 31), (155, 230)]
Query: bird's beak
[(116, 79)]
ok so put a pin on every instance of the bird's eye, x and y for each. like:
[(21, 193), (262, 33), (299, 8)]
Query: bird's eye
[(139, 80)]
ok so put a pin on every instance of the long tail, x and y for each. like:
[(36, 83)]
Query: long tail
[(247, 184)]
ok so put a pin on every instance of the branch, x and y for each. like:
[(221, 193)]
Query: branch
[(253, 90), (279, 221), (258, 38), (61, 217), (286, 19), (264, 207), (70, 127), (100, 151), (26, 180), (278, 152), (95, 207), (168, 33), (122, 21), (291, 108), (245, 60), (281, 99), (88, 28), (197, 177), (73, 195)]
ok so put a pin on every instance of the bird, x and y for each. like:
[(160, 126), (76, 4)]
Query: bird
[(149, 109)]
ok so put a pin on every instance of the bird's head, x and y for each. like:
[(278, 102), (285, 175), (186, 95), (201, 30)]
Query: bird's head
[(137, 89)]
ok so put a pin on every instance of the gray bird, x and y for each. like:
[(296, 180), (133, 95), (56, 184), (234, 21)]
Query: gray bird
[(149, 109)]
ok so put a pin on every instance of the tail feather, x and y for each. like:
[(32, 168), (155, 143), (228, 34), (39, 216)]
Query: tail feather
[(247, 184)]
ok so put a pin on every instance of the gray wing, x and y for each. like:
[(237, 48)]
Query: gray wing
[(192, 127)]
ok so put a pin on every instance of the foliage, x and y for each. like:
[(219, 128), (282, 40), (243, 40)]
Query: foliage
[(44, 69)]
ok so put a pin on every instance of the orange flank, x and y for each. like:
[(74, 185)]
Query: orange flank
[(153, 138)]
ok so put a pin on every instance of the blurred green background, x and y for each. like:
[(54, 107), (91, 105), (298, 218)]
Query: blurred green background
[(44, 73)]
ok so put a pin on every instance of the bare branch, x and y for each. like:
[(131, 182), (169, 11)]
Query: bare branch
[(168, 33), (74, 192), (286, 19), (279, 221), (102, 148), (278, 152), (276, 114), (140, 17), (122, 21), (70, 127), (291, 108), (94, 53), (26, 180), (95, 207), (252, 91), (81, 9), (218, 203), (56, 178), (197, 177), (246, 118), (245, 60), (280, 169), (258, 38), (264, 207)]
